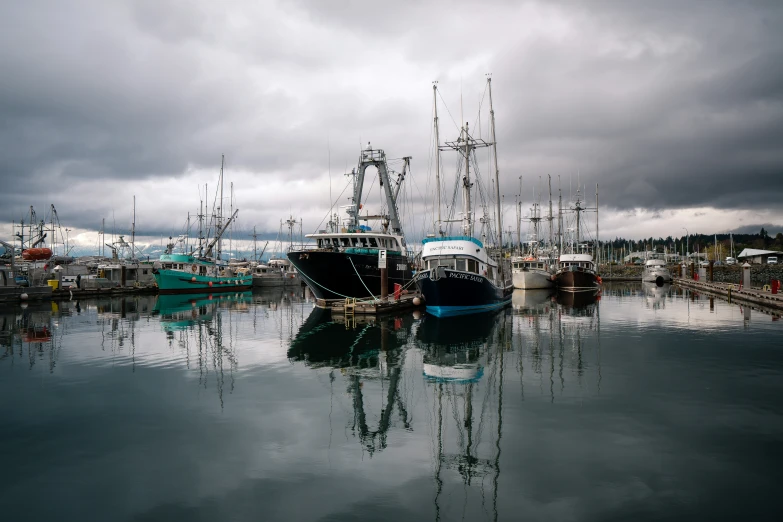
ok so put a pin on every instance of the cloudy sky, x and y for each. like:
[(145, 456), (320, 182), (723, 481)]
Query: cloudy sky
[(674, 108)]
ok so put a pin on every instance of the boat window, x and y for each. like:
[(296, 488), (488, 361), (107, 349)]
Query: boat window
[(462, 265), (448, 263), (363, 241), (373, 243), (335, 242), (473, 266), (354, 241), (320, 243), (491, 272), (344, 241)]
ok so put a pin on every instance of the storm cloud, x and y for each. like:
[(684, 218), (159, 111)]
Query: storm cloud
[(669, 107)]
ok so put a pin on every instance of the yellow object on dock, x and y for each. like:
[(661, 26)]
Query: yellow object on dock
[(54, 283)]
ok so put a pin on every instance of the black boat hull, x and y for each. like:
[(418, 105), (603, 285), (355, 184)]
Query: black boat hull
[(576, 280), (459, 293), (337, 275)]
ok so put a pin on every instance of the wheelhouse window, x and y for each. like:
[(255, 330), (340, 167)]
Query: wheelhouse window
[(373, 243), (354, 241), (335, 242), (473, 266), (363, 240), (344, 241), (462, 265)]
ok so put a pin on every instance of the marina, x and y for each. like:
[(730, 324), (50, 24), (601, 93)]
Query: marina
[(349, 261)]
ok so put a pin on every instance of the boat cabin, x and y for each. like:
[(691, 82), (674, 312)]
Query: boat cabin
[(576, 261), (462, 253), (528, 265), (341, 241)]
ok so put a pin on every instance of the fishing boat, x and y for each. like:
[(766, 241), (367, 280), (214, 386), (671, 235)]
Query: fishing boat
[(277, 271), (343, 260), (202, 271), (655, 271), (576, 268), (460, 274), (531, 273)]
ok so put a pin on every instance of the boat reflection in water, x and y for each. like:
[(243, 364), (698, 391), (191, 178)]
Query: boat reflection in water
[(180, 312), (369, 354), (464, 366), (532, 302), (655, 294)]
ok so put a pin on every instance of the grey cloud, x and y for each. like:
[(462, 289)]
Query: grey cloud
[(664, 105)]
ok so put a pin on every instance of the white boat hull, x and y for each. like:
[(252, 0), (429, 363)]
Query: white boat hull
[(531, 279), (651, 275)]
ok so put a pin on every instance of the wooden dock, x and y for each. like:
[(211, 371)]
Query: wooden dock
[(371, 306), (733, 292)]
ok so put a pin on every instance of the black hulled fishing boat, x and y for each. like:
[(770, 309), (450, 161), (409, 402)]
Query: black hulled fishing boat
[(343, 260)]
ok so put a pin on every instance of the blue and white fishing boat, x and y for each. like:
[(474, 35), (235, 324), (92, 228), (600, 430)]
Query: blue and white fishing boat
[(460, 275)]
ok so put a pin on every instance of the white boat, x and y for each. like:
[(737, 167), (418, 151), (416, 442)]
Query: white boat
[(275, 272), (530, 273), (655, 271)]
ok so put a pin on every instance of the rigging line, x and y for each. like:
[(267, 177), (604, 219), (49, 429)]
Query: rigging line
[(330, 210), (458, 127)]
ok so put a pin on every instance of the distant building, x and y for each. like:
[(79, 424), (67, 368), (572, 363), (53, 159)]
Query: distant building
[(758, 257)]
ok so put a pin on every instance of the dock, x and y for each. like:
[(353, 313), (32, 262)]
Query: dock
[(350, 306), (734, 292), (68, 294), (21, 294)]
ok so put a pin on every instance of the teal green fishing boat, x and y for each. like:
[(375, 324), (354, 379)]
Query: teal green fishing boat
[(201, 271), (185, 273)]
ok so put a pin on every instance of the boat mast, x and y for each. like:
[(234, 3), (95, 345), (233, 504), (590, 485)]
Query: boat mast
[(497, 175), (437, 154), (467, 226), (560, 218), (133, 230), (220, 210), (597, 257), (519, 217), (550, 212)]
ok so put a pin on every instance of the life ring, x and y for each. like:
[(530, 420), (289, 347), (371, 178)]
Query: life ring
[(194, 268)]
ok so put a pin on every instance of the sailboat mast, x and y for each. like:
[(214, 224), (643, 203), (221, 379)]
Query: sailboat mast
[(497, 174), (437, 155)]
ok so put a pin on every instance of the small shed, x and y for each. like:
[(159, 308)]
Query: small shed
[(755, 256)]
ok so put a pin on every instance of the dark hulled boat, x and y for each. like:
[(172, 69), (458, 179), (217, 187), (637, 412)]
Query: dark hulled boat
[(576, 273), (459, 278), (343, 263), (333, 270)]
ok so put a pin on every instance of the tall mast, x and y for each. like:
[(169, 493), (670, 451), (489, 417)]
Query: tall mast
[(519, 217), (220, 209), (560, 219), (550, 212), (598, 257), (437, 154), (467, 225), (133, 230), (497, 174)]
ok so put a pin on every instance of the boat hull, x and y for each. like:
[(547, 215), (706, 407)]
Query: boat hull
[(180, 282), (576, 281), (337, 275), (532, 279), (652, 275), (451, 293), (270, 281)]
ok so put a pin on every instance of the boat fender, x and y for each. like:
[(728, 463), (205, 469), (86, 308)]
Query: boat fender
[(210, 283)]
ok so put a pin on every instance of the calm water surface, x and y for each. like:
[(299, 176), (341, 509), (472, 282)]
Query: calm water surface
[(646, 404)]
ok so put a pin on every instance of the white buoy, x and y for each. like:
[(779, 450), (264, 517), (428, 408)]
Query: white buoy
[(416, 314), (24, 297), (416, 301), (193, 278)]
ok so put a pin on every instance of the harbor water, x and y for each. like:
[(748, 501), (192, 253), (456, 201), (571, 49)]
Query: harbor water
[(643, 403)]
